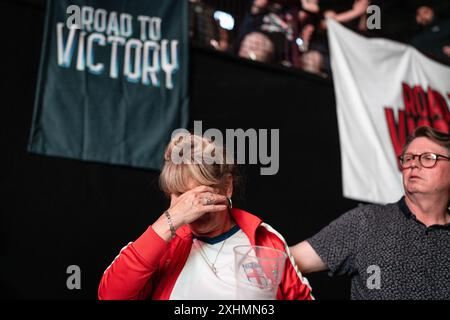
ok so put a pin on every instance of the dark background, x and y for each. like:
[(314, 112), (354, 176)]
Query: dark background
[(397, 16), (57, 212)]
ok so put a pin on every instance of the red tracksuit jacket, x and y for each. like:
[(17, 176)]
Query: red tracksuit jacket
[(149, 267)]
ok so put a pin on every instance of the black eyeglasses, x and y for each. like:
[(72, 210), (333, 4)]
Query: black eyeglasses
[(427, 159)]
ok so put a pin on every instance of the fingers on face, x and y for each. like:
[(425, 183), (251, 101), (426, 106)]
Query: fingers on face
[(220, 199), (201, 189), (204, 199), (213, 208), (204, 196), (212, 198)]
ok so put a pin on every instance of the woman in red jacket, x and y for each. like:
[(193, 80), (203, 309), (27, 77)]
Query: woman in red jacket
[(187, 253)]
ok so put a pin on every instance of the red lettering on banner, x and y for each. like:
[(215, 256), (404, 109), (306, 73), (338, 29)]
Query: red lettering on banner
[(408, 100), (421, 108), (439, 113), (420, 101)]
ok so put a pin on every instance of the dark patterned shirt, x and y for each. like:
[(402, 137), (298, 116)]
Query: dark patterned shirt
[(388, 253)]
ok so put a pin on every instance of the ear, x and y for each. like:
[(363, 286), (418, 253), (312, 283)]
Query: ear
[(229, 186)]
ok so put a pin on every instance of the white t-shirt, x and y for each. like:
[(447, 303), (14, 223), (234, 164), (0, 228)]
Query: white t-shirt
[(197, 281)]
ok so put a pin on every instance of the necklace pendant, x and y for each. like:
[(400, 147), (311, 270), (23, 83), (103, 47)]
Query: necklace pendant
[(213, 268)]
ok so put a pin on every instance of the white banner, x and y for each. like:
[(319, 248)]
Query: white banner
[(384, 90)]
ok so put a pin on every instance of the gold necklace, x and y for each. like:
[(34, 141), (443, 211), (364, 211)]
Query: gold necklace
[(208, 262)]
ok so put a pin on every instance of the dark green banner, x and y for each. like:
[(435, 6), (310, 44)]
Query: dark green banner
[(113, 80)]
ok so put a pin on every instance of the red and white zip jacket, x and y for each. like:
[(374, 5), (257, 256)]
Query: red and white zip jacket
[(149, 267)]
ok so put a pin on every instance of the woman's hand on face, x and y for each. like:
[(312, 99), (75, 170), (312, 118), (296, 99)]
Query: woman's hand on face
[(194, 203)]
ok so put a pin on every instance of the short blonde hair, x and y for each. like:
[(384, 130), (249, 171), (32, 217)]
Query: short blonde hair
[(175, 177)]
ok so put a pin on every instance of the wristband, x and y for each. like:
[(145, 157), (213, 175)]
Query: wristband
[(169, 221)]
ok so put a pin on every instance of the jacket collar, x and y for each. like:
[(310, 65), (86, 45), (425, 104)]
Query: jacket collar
[(247, 222)]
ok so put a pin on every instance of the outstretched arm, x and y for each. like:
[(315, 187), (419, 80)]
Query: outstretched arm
[(359, 9), (306, 258)]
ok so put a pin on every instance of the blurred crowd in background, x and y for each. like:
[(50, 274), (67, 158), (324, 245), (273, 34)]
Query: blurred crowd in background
[(293, 33)]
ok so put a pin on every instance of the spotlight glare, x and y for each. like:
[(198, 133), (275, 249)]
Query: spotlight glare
[(226, 20)]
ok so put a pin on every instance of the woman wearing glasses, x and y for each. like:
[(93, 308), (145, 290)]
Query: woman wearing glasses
[(188, 252), (399, 250)]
